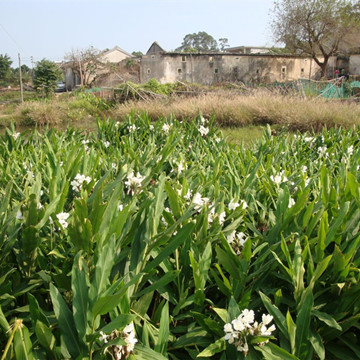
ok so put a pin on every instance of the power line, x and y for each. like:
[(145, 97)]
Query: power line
[(15, 42)]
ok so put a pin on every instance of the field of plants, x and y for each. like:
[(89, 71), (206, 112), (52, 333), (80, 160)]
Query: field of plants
[(159, 240)]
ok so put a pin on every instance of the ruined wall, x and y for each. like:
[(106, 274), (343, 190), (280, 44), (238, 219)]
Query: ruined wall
[(114, 56), (208, 69), (354, 66)]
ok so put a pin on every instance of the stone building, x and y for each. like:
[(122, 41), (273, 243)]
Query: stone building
[(211, 68)]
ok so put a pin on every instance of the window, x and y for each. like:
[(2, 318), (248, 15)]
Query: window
[(148, 71), (216, 71), (302, 70), (258, 71), (283, 69), (153, 56), (179, 71), (183, 58)]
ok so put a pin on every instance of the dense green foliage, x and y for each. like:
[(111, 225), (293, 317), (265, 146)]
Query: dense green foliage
[(5, 64), (202, 42), (147, 224), (46, 75)]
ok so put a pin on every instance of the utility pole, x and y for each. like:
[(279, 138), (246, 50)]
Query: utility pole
[(20, 79)]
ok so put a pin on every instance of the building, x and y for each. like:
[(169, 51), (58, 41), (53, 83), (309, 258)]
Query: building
[(249, 65), (94, 68)]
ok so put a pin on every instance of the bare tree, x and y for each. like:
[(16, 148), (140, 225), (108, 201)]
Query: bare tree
[(315, 27), (85, 63)]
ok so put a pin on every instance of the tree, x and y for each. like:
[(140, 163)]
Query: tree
[(85, 63), (314, 27), (198, 42), (46, 75), (223, 44), (137, 53), (5, 64)]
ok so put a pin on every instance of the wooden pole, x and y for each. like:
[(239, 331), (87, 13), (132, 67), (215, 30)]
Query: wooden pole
[(20, 79)]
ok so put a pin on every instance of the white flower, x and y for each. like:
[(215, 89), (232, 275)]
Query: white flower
[(133, 183), (243, 204), (203, 120), (322, 150), (211, 215), (62, 217), (151, 127), (244, 326), (113, 165), (248, 317), (78, 182), (233, 205), (103, 337), (106, 144), (238, 324), (15, 135), (291, 202), (266, 319), (132, 128), (203, 130), (181, 167), (279, 178), (84, 142), (217, 139), (120, 207), (350, 150), (166, 128), (242, 238), (231, 237), (19, 215), (222, 217), (117, 124), (199, 201)]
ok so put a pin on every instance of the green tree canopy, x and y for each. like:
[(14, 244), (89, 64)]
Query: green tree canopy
[(198, 42), (5, 64), (314, 27), (46, 75)]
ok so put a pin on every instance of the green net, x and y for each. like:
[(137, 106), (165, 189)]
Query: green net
[(337, 88)]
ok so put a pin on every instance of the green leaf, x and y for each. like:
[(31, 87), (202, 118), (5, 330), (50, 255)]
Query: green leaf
[(291, 330), (174, 243), (79, 281), (103, 269), (164, 280), (106, 303), (44, 336), (161, 345), (142, 352), (274, 352), (173, 200), (303, 323), (317, 344), (118, 323), (22, 344), (218, 346), (66, 322), (327, 319)]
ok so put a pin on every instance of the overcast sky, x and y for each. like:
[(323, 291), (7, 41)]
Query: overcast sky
[(51, 28)]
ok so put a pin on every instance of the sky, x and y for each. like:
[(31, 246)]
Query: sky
[(53, 28)]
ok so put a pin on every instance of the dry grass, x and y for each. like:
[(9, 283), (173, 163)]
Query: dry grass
[(231, 109), (256, 109)]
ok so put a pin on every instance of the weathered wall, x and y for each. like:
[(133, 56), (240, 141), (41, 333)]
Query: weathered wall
[(214, 68), (354, 66), (114, 56)]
